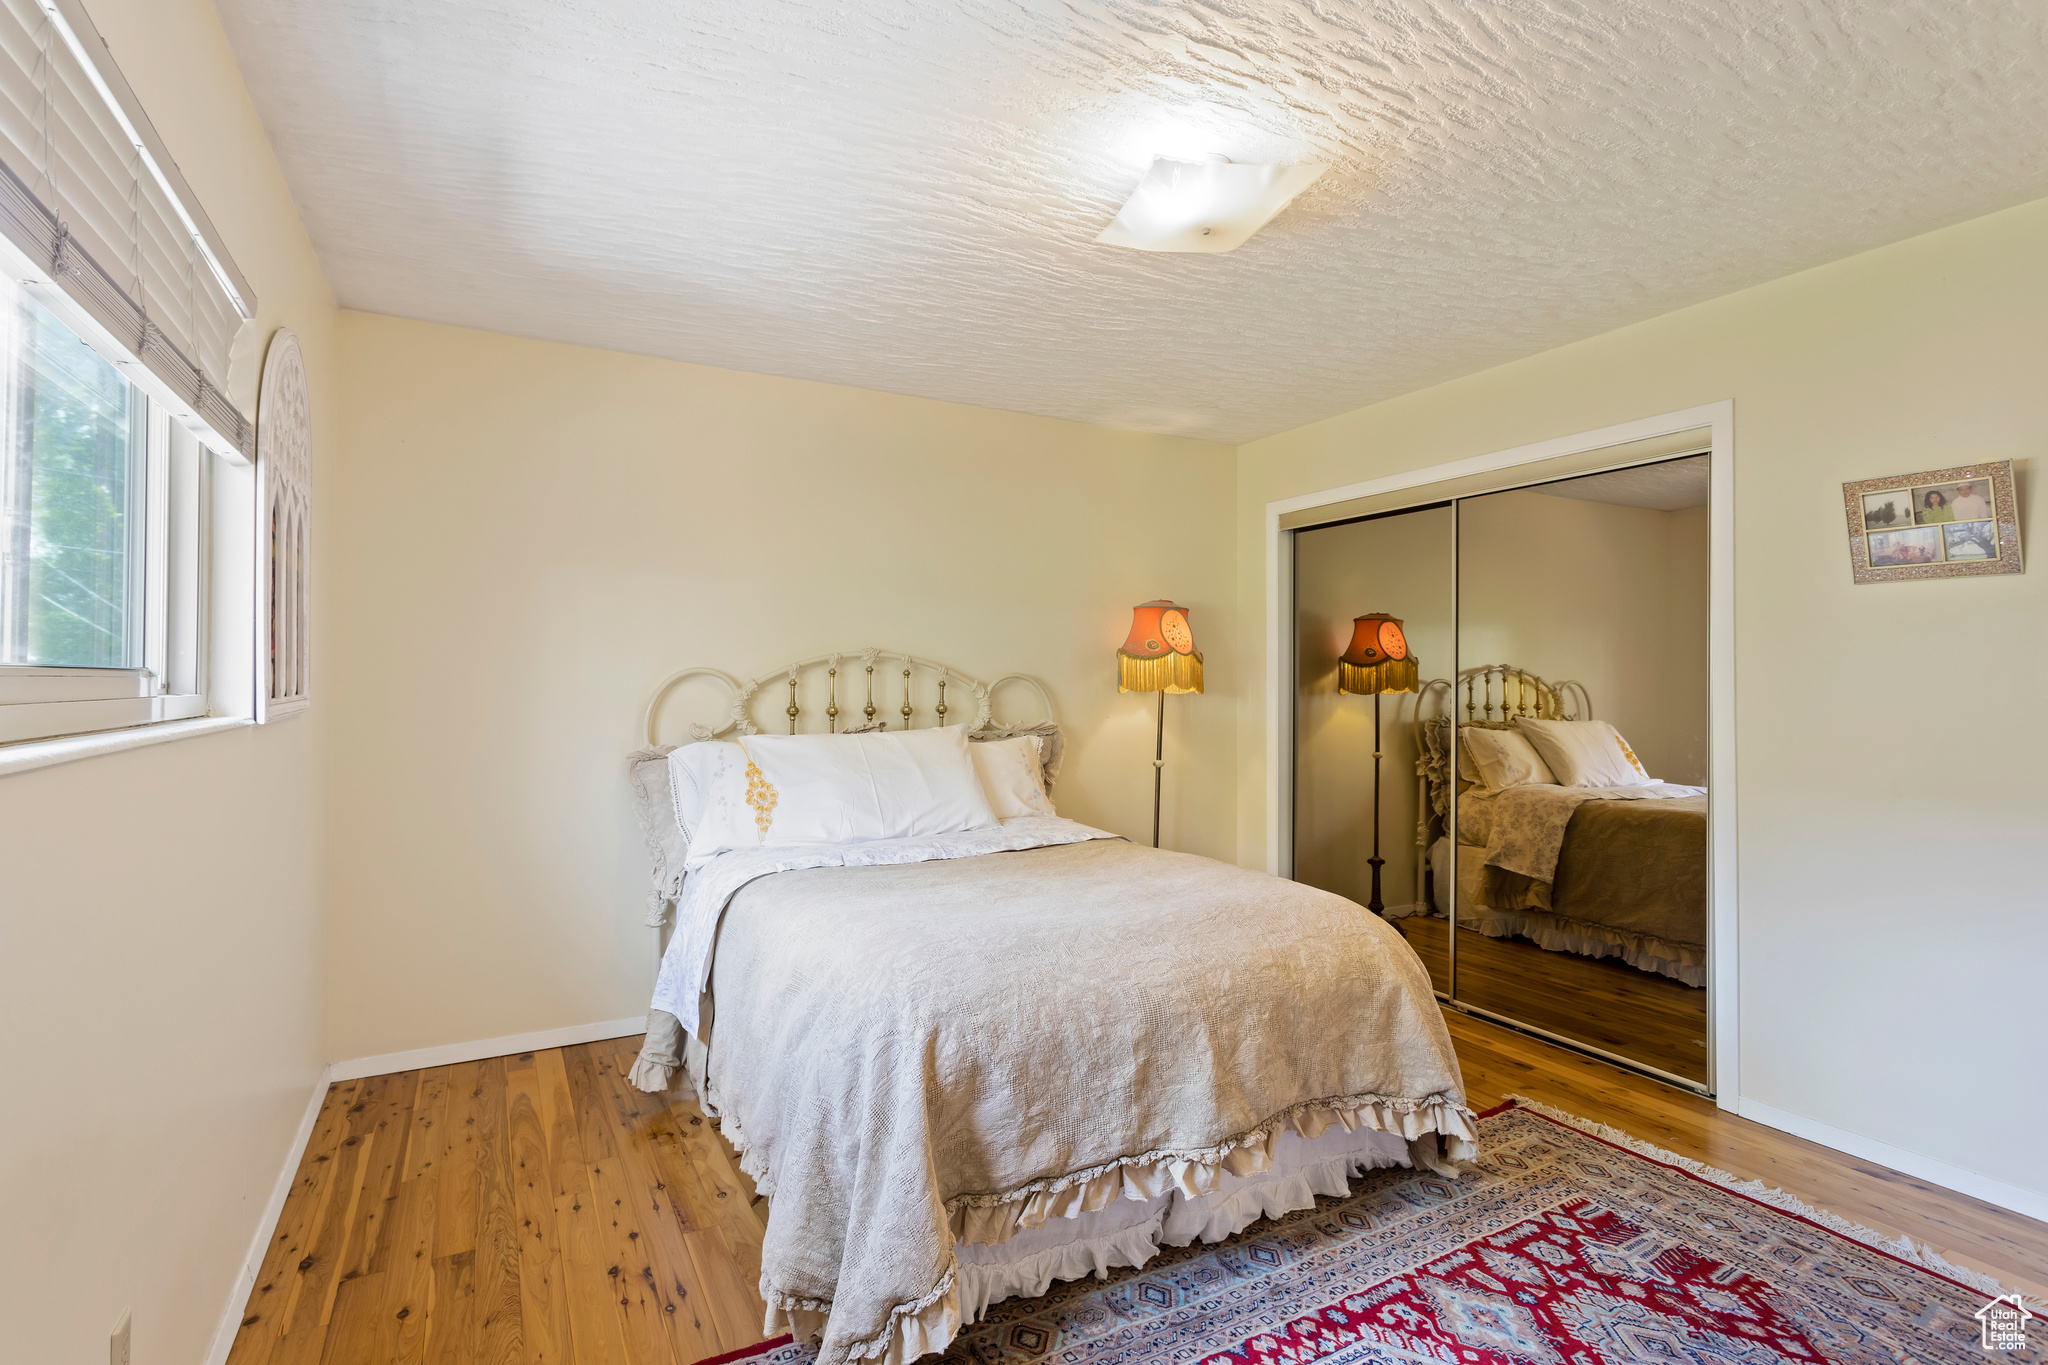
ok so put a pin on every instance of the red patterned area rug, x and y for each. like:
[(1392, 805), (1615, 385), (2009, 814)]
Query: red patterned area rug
[(1567, 1244)]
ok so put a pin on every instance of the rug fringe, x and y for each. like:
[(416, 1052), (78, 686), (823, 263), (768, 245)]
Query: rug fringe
[(747, 1352), (1902, 1246)]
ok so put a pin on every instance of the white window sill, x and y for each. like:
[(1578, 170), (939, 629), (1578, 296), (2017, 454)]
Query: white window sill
[(46, 753)]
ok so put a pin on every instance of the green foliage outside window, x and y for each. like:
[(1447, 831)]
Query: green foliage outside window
[(74, 447)]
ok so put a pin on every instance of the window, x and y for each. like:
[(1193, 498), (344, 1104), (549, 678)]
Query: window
[(77, 443), (101, 540), (127, 489)]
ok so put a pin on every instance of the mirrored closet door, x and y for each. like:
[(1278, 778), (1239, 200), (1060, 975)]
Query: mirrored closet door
[(1401, 566), (1541, 810)]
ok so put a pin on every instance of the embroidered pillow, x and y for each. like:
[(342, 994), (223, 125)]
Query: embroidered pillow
[(1504, 758), (1585, 753), (786, 790), (1468, 771), (695, 772), (1052, 745), (1011, 776)]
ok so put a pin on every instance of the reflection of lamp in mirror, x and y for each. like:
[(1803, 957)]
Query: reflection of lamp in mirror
[(1159, 655), (1378, 661)]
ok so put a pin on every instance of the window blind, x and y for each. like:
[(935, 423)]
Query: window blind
[(91, 197)]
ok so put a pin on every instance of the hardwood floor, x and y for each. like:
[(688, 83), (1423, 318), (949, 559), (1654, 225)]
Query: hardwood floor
[(531, 1209), (1498, 1062), (1598, 1000), (538, 1209)]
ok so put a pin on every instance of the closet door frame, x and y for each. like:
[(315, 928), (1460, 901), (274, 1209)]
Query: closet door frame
[(1470, 477)]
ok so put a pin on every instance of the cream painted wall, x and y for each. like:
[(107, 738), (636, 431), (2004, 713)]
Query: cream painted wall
[(533, 535), (1891, 861), (1614, 597), (159, 931)]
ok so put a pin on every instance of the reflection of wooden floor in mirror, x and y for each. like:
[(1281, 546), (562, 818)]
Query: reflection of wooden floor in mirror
[(1600, 1001)]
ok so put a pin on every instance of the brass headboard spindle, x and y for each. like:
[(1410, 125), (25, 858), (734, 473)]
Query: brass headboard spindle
[(792, 701), (906, 699), (869, 710), (1488, 677), (1470, 713), (942, 699), (832, 699)]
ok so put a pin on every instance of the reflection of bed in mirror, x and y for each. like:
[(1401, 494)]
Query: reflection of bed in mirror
[(1615, 869)]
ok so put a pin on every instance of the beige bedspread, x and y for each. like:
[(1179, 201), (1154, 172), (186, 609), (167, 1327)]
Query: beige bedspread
[(1524, 826), (1620, 876), (906, 1055)]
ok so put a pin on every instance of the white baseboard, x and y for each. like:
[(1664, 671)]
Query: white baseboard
[(266, 1223), (1983, 1187), (450, 1053)]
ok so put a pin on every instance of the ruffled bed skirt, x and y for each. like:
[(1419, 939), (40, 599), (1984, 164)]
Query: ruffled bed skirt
[(1559, 934), (1176, 1199), (1118, 1214), (1556, 933), (1130, 1233), (1076, 1235)]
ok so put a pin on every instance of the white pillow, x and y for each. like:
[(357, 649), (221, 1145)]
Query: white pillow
[(1052, 745), (1585, 753), (1011, 776), (1504, 758), (693, 771), (836, 789)]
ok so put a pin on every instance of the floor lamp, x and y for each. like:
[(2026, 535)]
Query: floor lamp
[(1159, 655), (1378, 661)]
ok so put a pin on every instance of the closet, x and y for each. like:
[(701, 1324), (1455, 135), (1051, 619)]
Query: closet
[(1531, 649)]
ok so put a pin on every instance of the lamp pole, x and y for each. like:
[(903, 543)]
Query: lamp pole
[(1375, 904), (1159, 766)]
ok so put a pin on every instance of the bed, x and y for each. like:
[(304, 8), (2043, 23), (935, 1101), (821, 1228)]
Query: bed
[(965, 1063), (1609, 871)]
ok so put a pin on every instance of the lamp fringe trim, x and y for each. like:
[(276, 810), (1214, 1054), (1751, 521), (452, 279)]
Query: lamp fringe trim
[(1166, 673), (1389, 675)]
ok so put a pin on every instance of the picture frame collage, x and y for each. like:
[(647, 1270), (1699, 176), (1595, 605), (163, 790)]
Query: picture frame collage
[(1940, 523)]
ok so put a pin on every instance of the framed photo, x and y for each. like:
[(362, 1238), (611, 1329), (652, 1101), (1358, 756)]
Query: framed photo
[(1915, 545), (1942, 523)]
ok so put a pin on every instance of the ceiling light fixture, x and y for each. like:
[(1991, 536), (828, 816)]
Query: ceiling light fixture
[(1206, 205)]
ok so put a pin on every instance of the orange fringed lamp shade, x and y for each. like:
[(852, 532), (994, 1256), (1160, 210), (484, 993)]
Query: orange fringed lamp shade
[(1378, 660), (1159, 654)]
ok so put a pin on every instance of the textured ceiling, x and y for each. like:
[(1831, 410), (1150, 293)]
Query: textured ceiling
[(905, 196), (1663, 487)]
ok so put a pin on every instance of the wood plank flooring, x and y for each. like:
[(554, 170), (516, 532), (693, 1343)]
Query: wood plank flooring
[(532, 1209), (538, 1210), (1598, 1000), (1498, 1062)]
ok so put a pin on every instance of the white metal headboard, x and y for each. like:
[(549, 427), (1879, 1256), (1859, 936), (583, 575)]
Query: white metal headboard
[(917, 686), (882, 674), (1522, 693)]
